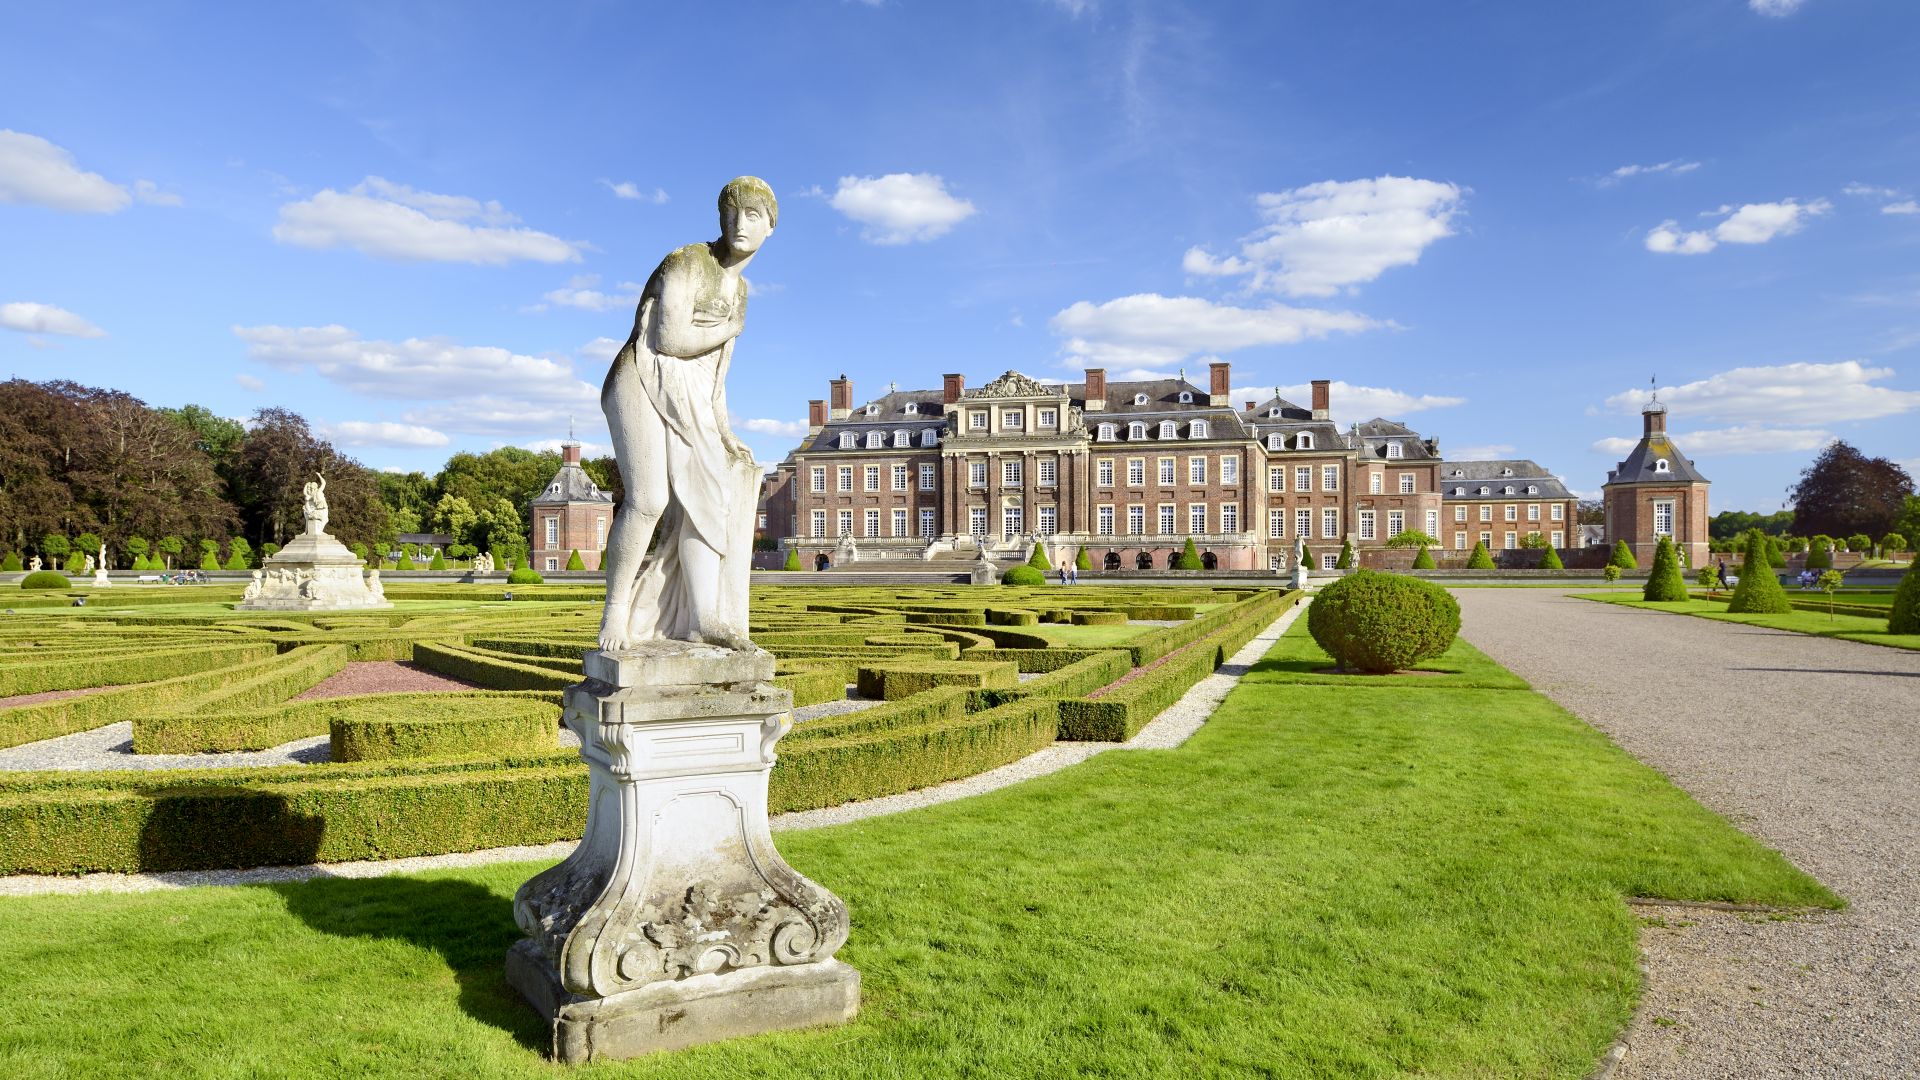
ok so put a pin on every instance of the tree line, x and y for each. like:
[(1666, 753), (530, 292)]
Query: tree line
[(166, 488), (1844, 498)]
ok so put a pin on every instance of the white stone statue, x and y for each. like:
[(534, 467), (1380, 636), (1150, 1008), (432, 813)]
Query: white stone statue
[(90, 564), (303, 583), (34, 564), (374, 588), (314, 497), (102, 564), (254, 586), (686, 475)]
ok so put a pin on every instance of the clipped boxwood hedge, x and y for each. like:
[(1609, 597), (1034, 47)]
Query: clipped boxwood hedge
[(31, 723), (891, 682), (462, 663), (446, 729)]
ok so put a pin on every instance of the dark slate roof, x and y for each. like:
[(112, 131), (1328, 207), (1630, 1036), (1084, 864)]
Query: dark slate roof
[(893, 406), (1372, 437), (1493, 475), (571, 485), (1638, 468), (1163, 395), (828, 438), (1288, 411)]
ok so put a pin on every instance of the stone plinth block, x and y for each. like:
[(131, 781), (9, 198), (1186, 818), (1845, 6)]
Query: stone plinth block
[(314, 572), (676, 922)]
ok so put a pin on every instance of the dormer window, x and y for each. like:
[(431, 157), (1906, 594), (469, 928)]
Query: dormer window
[(1304, 442), (1459, 490), (1661, 466), (554, 490), (847, 441), (1186, 397), (1393, 449), (1533, 489), (929, 436), (1276, 442), (1457, 474), (902, 439), (876, 440), (913, 408), (1484, 490), (1136, 430), (1106, 433), (1168, 430), (1508, 471), (1197, 430), (873, 410), (1139, 399), (1508, 490), (1274, 413)]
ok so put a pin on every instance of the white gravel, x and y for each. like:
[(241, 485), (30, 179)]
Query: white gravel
[(111, 747), (1811, 745), (1174, 726)]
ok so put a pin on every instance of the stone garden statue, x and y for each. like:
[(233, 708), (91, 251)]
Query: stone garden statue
[(90, 564), (374, 588), (314, 498), (33, 564), (686, 475), (254, 586), (102, 564)]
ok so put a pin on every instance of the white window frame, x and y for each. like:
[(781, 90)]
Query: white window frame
[(1049, 522), (976, 474), (1557, 511), (1169, 430), (818, 479), (1013, 521), (844, 522), (1013, 419), (876, 440), (843, 481), (1329, 478), (1329, 523), (927, 475), (1198, 430), (1303, 441), (873, 524), (1048, 418), (1012, 472), (819, 524), (1406, 483), (1229, 469), (1277, 524), (978, 419), (1459, 514), (927, 523), (1048, 471), (1168, 468), (899, 478), (1103, 520), (1663, 508), (1229, 518), (1396, 523), (1136, 519), (1366, 525), (1136, 472), (1196, 470), (1303, 523), (977, 521), (1167, 519), (1197, 518), (1103, 472), (1374, 482), (870, 479), (1394, 453), (899, 522), (1303, 478), (1277, 478)]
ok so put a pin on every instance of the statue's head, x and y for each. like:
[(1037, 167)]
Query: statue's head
[(748, 213)]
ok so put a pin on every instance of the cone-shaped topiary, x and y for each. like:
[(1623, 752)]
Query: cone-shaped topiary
[(1080, 561), (1378, 622), (1820, 553), (1038, 560), (574, 561), (438, 562), (1904, 617), (1759, 591), (1345, 561), (11, 562), (1622, 556), (793, 560), (404, 563), (210, 561), (1551, 560), (1423, 559), (1665, 584), (1189, 557), (1479, 560)]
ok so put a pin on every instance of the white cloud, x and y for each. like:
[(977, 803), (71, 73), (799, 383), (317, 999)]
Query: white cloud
[(1350, 403), (382, 433), (588, 449), (1335, 234), (1754, 223), (393, 221), (1779, 9), (1489, 452), (1907, 207), (38, 173), (1148, 330), (148, 192), (1739, 439), (1868, 191), (31, 318), (786, 429), (1785, 394), (627, 189), (250, 382), (580, 293), (1676, 167), (900, 208), (417, 368), (603, 349)]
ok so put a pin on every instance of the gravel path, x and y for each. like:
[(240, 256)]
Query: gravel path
[(1173, 726), (1810, 744)]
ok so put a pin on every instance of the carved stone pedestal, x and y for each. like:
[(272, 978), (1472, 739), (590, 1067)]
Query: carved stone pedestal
[(675, 922)]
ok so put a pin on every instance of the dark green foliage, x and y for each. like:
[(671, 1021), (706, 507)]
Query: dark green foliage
[(55, 547), (793, 559), (1479, 560), (1665, 583), (438, 562), (1376, 622), (1189, 557), (524, 575), (1038, 560), (1776, 555), (892, 682), (1423, 559), (1021, 575), (1844, 492), (574, 561), (1820, 553), (11, 562), (1759, 591), (1345, 561), (240, 554), (524, 728), (1904, 616), (1099, 618), (1081, 561), (1889, 544), (1860, 542), (1551, 560), (1622, 556), (46, 579)]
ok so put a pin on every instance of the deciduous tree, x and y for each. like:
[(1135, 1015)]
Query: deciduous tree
[(1845, 492)]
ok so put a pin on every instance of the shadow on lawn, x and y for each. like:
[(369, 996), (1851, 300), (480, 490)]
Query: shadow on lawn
[(1831, 671), (469, 926)]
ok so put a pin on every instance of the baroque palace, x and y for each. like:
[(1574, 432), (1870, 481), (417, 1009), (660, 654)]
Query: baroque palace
[(1132, 470)]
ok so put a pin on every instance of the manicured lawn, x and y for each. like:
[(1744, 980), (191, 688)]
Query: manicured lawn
[(1871, 631), (1296, 659), (1382, 879)]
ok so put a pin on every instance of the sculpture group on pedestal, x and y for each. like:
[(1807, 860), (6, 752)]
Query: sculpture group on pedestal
[(675, 921), (314, 572)]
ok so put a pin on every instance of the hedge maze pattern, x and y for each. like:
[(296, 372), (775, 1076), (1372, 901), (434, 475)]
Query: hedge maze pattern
[(949, 682)]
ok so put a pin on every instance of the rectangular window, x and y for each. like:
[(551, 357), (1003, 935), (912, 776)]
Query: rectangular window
[(900, 522), (1302, 524), (872, 478), (1533, 511), (1136, 472), (1103, 472), (1486, 540), (1511, 512), (926, 478), (873, 524), (1166, 519), (819, 524), (819, 479), (845, 522), (1012, 522), (1330, 524), (977, 420), (1329, 560), (1196, 470), (1396, 522), (1136, 520), (553, 564), (846, 478), (1373, 483), (1366, 524), (1329, 478), (1166, 472), (1230, 518), (553, 532), (1486, 512), (977, 474), (926, 523), (1406, 483), (1049, 471), (1277, 524), (1049, 418), (1012, 472), (1558, 511), (1277, 479), (977, 521), (1433, 524), (1049, 521), (600, 530), (1197, 518), (1459, 513), (1559, 539), (1229, 470), (899, 478), (1013, 419), (1663, 517), (1303, 478), (1104, 520), (1459, 541)]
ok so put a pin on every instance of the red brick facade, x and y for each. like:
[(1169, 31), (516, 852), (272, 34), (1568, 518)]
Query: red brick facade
[(571, 514), (1655, 491)]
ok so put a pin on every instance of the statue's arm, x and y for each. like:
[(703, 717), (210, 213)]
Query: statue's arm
[(675, 332)]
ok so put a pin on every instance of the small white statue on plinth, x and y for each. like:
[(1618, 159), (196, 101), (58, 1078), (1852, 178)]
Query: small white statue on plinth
[(1300, 560), (253, 587), (100, 578), (676, 922), (375, 590), (33, 565), (315, 571), (90, 564), (314, 503)]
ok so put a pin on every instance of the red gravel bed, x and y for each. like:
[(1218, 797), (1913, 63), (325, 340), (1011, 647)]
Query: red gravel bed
[(51, 695), (384, 677), (1139, 671)]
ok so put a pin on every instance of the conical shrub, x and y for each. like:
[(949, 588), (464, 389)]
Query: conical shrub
[(1345, 562), (1665, 584), (1080, 561), (1038, 560), (1904, 618), (1189, 557), (1759, 591), (793, 559), (1422, 559), (1622, 556), (1551, 561), (574, 561), (1479, 560)]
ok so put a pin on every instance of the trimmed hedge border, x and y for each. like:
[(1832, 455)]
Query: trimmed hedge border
[(527, 727), (468, 666), (109, 667), (31, 723), (265, 728), (890, 682)]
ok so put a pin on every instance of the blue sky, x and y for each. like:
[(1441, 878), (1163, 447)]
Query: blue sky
[(419, 225)]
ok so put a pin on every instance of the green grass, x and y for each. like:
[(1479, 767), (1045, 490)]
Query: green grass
[(1867, 630), (1295, 658), (1382, 879), (1086, 637)]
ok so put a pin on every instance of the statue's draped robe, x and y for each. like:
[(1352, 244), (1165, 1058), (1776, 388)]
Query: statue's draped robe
[(712, 491)]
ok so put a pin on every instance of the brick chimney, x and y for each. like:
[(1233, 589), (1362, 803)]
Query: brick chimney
[(1252, 405), (840, 397), (1322, 399), (950, 387), (1096, 389), (816, 416), (569, 453), (1220, 382)]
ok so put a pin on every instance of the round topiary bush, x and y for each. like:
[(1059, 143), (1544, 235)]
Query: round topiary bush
[(525, 575), (1023, 575), (46, 579), (1376, 622)]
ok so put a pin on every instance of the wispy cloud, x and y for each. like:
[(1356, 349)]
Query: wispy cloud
[(28, 317), (1799, 395), (1676, 167), (1778, 9), (382, 433), (1150, 330), (580, 292), (1754, 223), (393, 221), (35, 172), (900, 208), (627, 189)]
